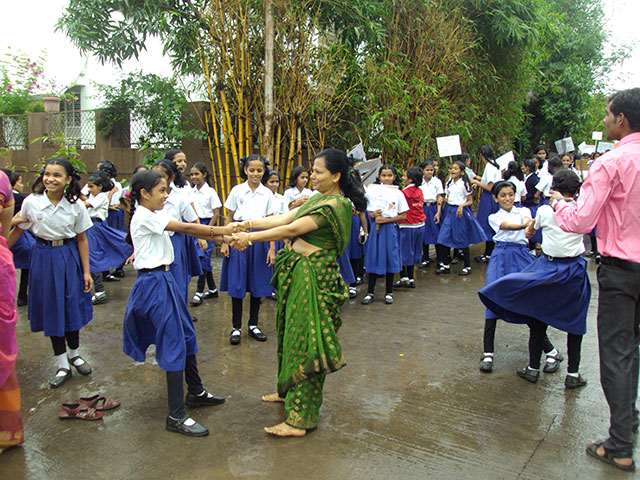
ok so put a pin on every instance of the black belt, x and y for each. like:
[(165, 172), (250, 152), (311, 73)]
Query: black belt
[(618, 262), (161, 268), (54, 243), (561, 259), (96, 219)]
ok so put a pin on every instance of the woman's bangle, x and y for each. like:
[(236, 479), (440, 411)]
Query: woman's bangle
[(249, 242), (250, 225), (211, 230)]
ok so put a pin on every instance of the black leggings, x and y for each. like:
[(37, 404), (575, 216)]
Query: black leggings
[(175, 387), (425, 252), (24, 283), (490, 335), (236, 311), (372, 282), (536, 340), (208, 277), (444, 255), (357, 264), (73, 341), (408, 271), (488, 247)]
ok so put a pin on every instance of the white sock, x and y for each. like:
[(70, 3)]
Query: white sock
[(576, 375), (533, 369), (75, 353), (236, 331), (488, 357), (63, 362), (189, 422), (199, 294), (553, 353), (254, 327)]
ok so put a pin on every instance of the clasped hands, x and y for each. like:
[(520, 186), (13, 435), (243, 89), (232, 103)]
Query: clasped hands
[(240, 236)]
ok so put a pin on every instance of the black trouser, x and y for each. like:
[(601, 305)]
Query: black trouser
[(372, 282), (444, 255), (537, 340), (425, 253), (73, 341), (618, 340), (488, 247), (24, 284), (408, 271), (357, 264), (175, 387), (236, 311), (208, 277), (490, 335), (98, 284)]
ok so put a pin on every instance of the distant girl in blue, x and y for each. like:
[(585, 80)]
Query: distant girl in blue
[(487, 205), (156, 309), (272, 182), (433, 193), (60, 282), (532, 196), (459, 228), (107, 246), (249, 271)]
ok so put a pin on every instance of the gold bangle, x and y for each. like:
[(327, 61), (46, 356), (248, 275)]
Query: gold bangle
[(250, 225), (249, 242), (211, 230)]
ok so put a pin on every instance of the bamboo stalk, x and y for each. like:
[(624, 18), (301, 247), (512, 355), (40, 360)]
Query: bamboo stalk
[(277, 154)]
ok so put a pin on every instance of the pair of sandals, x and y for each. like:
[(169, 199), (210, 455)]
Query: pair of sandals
[(88, 408)]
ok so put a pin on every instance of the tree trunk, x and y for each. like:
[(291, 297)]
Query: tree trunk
[(268, 82)]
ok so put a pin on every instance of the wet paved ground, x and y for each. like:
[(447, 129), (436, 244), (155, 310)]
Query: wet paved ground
[(411, 402)]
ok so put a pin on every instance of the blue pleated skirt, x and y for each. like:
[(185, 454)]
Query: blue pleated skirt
[(460, 232), (22, 250), (555, 292), (157, 314), (108, 248), (205, 258), (487, 206), (180, 267), (507, 257), (194, 256), (355, 249), (431, 228), (247, 271), (115, 219), (57, 302), (345, 268), (382, 254), (411, 245)]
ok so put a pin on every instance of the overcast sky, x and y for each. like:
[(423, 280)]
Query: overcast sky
[(29, 26)]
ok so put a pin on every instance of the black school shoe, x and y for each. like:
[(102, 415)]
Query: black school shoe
[(574, 382), (204, 400), (178, 426), (257, 334), (56, 381), (530, 375)]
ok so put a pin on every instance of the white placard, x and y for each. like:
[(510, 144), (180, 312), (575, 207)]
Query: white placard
[(357, 152), (383, 197), (449, 146), (565, 145), (604, 146), (596, 136), (369, 170), (588, 149), (503, 160)]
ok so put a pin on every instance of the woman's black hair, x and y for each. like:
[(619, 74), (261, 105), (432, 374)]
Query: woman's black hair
[(531, 164), (143, 180), (336, 161), (72, 192), (538, 160), (245, 161), (139, 168), (566, 182), (513, 170), (295, 173), (109, 168), (500, 185), (541, 147), (203, 170), (425, 163), (464, 156), (415, 175), (465, 177), (171, 170), (555, 164), (396, 181), (170, 154), (100, 177), (487, 152), (269, 175), (13, 176)]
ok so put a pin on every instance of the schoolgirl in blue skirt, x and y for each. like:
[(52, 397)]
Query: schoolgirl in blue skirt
[(532, 197), (249, 271), (59, 302), (386, 206), (553, 290), (487, 205), (356, 248), (272, 182), (412, 227), (459, 228), (433, 192), (156, 309), (207, 205), (107, 246)]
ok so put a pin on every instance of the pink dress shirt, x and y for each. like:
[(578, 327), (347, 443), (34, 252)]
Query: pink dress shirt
[(609, 198)]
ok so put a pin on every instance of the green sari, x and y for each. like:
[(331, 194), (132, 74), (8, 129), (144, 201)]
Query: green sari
[(310, 294)]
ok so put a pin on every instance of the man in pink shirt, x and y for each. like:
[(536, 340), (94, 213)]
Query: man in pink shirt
[(610, 198)]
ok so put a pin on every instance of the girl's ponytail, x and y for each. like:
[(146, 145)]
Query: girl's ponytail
[(487, 152)]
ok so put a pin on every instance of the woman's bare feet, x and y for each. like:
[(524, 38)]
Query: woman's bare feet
[(284, 430), (272, 398)]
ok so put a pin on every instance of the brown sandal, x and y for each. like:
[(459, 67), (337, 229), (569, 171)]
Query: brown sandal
[(78, 411), (101, 404)]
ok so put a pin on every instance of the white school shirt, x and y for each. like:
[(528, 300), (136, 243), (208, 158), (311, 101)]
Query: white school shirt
[(293, 193), (248, 205), (555, 241), (516, 215), (491, 174), (432, 189), (456, 192), (99, 206), (177, 207), (280, 204), (387, 198), (470, 173), (151, 243), (521, 188), (205, 200), (49, 222), (117, 195), (544, 185)]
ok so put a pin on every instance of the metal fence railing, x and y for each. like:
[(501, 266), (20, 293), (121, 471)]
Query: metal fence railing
[(78, 127), (14, 132)]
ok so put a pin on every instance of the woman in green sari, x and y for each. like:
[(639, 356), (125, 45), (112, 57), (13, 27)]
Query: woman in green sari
[(310, 288)]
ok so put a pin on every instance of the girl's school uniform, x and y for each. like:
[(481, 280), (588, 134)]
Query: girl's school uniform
[(115, 217), (247, 271), (521, 191), (346, 270), (382, 254), (412, 229), (22, 248), (488, 205), (464, 231), (195, 254), (355, 250), (57, 302), (205, 201), (544, 187), (156, 310), (108, 248), (430, 191), (530, 182), (554, 289), (293, 193)]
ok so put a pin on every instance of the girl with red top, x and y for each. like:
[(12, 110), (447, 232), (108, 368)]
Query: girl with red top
[(412, 228)]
